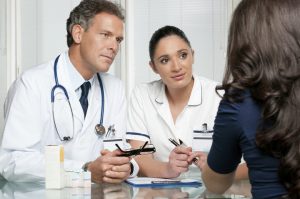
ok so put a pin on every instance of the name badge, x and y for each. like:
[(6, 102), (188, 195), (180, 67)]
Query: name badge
[(202, 139)]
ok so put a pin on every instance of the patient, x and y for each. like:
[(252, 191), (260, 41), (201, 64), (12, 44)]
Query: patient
[(258, 117), (173, 107)]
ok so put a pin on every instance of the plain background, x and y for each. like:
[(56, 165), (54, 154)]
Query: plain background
[(34, 31)]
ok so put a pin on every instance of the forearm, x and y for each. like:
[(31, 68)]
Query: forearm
[(153, 168), (20, 166), (215, 182), (241, 172)]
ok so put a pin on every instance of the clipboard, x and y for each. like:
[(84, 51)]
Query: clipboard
[(162, 182)]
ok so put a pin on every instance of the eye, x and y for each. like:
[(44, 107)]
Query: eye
[(105, 35), (119, 39), (164, 60), (183, 55)]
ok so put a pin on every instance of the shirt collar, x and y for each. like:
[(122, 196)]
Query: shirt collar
[(76, 79), (195, 98)]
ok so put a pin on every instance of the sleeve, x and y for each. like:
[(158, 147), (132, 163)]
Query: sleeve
[(21, 158), (136, 121), (225, 153)]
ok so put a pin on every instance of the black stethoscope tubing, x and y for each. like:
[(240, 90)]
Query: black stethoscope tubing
[(59, 86)]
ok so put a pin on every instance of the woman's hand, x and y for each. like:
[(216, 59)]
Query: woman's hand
[(201, 158), (178, 161)]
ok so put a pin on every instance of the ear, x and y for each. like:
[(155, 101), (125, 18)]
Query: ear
[(153, 66), (77, 32)]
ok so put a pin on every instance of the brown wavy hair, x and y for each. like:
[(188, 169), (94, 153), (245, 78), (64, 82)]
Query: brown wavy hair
[(263, 56)]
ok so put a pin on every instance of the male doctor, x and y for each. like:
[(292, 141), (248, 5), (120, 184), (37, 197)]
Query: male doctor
[(38, 112)]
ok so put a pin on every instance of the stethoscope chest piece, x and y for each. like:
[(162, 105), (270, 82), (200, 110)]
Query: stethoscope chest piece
[(100, 129)]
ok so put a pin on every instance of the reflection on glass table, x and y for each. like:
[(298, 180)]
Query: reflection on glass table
[(10, 190)]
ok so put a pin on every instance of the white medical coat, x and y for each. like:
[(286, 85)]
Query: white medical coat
[(149, 117), (29, 124)]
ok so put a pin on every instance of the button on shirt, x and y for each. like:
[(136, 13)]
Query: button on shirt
[(150, 118)]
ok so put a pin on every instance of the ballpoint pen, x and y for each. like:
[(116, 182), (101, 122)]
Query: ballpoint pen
[(175, 143)]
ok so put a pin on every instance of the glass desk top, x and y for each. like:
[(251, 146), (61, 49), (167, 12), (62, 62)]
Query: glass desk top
[(9, 190)]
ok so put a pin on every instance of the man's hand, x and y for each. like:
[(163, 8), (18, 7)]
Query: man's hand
[(178, 161), (110, 168)]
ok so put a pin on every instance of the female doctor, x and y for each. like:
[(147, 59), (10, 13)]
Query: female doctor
[(61, 102), (176, 107)]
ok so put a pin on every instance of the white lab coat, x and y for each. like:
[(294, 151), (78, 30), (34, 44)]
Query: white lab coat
[(29, 124)]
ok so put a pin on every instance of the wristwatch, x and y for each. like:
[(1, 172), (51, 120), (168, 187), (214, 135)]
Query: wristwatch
[(85, 166), (131, 168)]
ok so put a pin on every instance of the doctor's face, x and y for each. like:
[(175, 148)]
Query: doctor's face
[(173, 59), (100, 43)]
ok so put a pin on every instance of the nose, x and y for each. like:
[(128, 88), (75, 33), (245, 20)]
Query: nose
[(176, 65), (114, 45)]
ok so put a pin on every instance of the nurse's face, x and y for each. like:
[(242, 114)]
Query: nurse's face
[(173, 59), (100, 43)]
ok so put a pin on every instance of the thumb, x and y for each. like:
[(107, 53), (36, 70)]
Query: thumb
[(105, 152)]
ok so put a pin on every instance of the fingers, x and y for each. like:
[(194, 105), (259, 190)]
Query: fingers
[(113, 158), (117, 174), (110, 168), (201, 158), (182, 150)]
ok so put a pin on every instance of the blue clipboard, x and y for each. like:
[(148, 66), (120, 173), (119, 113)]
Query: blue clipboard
[(161, 182)]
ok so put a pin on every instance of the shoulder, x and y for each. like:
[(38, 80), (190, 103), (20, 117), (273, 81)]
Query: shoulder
[(148, 89), (207, 84), (36, 77), (111, 82), (239, 111)]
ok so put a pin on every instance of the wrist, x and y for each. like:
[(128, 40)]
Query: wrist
[(85, 166)]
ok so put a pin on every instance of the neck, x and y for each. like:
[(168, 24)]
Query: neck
[(180, 95), (78, 63)]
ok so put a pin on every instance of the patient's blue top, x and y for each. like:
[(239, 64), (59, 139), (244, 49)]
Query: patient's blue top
[(234, 136)]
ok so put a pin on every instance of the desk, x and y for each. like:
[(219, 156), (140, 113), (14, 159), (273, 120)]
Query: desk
[(10, 190)]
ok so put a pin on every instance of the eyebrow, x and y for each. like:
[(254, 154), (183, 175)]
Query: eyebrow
[(166, 55)]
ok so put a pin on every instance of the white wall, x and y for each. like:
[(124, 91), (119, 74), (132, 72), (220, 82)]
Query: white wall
[(43, 27), (3, 55), (34, 31), (205, 23)]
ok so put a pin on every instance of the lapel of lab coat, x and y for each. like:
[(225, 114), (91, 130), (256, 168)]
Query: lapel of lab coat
[(163, 108)]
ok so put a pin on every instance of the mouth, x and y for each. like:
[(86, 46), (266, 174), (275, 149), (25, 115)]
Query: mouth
[(110, 59), (178, 76)]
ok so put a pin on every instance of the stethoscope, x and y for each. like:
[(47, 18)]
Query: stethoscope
[(99, 128)]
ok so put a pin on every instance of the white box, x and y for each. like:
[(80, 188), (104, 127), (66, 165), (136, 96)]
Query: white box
[(54, 171)]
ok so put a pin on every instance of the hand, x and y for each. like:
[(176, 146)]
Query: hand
[(178, 161), (201, 156), (109, 167), (116, 191)]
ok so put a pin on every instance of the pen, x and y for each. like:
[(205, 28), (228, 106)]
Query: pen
[(175, 143)]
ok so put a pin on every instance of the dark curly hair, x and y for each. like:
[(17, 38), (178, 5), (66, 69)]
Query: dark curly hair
[(263, 56), (84, 13)]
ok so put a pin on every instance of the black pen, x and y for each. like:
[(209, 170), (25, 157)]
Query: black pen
[(175, 143)]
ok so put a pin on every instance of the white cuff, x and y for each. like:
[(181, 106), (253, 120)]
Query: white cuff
[(136, 168)]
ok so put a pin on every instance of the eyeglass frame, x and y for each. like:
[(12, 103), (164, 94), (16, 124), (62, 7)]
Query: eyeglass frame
[(138, 151)]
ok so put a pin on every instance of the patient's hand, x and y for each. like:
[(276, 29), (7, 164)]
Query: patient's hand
[(201, 158)]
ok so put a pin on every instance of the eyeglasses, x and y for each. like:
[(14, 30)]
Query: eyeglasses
[(143, 150)]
